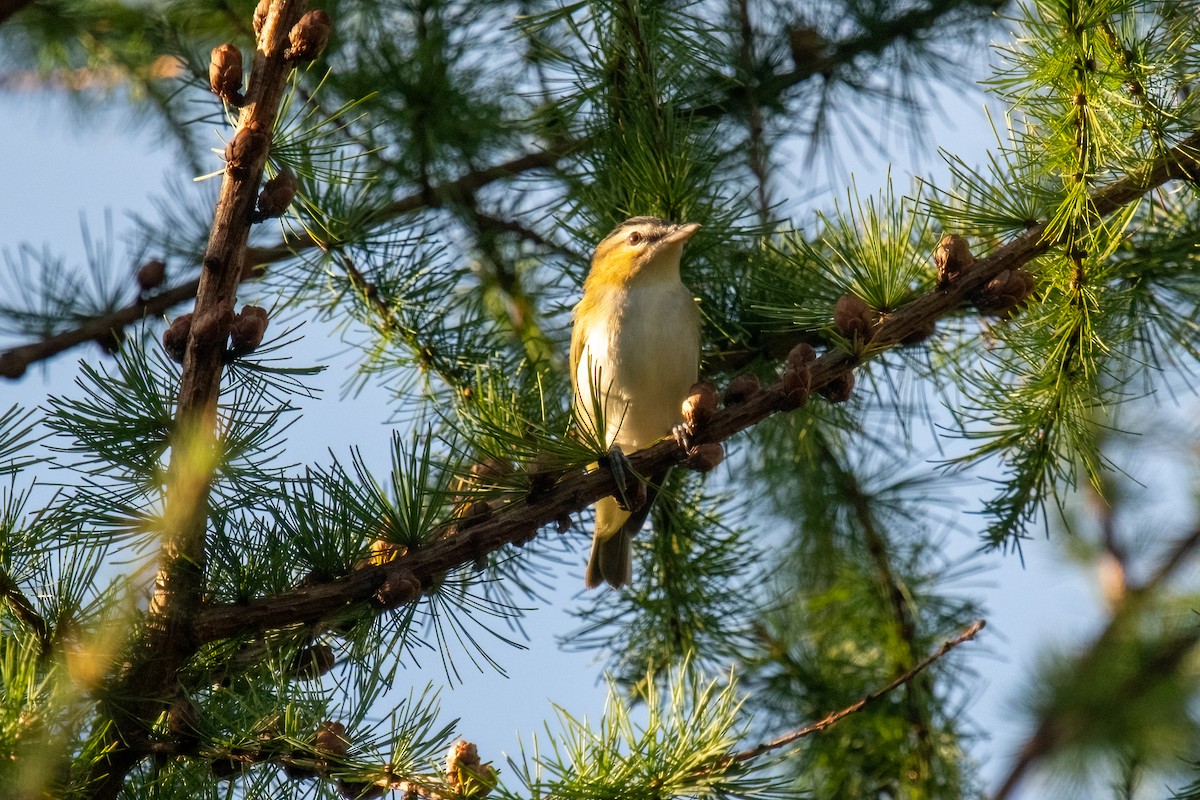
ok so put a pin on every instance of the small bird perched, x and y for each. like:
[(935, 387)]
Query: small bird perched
[(635, 348)]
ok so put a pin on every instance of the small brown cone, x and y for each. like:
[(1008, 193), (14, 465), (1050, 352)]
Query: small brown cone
[(301, 768), (175, 337), (313, 662), (1005, 292), (227, 767), (111, 342), (331, 740), (276, 195), (741, 389), (225, 74), (247, 330), (309, 36), (700, 405), (360, 790), (853, 318), (952, 257), (797, 376), (808, 46), (398, 587), (246, 145), (840, 388), (151, 275)]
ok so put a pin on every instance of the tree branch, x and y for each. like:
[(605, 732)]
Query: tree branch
[(15, 361), (575, 490), (149, 681), (906, 676), (1051, 733)]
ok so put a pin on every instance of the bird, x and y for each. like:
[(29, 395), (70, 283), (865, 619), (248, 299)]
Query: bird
[(635, 353)]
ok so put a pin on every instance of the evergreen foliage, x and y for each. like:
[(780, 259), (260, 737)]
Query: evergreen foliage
[(189, 611)]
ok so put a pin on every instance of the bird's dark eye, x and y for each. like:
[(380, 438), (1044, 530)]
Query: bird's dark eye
[(635, 237)]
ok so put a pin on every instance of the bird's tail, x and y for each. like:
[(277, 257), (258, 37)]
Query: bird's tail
[(611, 560)]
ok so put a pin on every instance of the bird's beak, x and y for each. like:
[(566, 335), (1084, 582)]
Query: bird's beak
[(681, 233)]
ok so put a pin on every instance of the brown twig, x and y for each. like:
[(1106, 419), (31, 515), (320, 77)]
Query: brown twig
[(15, 361), (792, 736), (521, 519), (25, 610)]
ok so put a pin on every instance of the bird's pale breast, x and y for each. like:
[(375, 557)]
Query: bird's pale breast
[(646, 345)]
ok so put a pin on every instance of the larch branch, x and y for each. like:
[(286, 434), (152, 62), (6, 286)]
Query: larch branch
[(150, 680), (901, 679), (521, 519)]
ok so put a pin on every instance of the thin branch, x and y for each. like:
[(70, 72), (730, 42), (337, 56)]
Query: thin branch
[(1049, 734), (521, 519), (966, 636), (15, 361), (25, 610)]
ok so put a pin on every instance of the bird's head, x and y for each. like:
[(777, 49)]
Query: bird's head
[(640, 246)]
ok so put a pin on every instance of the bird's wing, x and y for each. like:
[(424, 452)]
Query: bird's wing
[(578, 337)]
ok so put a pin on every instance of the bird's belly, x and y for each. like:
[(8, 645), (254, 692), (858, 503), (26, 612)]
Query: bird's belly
[(649, 356)]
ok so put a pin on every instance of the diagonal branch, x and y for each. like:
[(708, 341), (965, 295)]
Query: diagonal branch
[(577, 489), (967, 635), (1051, 733), (14, 361)]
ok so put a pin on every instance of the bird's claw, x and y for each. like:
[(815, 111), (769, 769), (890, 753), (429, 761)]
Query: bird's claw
[(631, 493), (683, 433)]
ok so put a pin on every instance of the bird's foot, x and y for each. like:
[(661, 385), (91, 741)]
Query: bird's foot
[(631, 492), (682, 433)]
